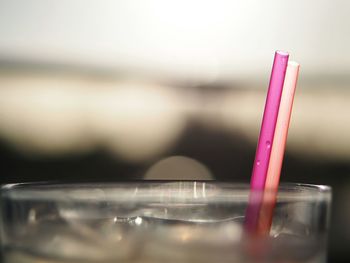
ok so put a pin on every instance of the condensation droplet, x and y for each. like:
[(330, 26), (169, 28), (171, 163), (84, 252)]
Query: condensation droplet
[(268, 144), (138, 220), (258, 162)]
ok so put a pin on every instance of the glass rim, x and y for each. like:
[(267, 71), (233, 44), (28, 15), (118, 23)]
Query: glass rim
[(151, 190)]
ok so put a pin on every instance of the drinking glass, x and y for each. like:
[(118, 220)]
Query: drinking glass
[(158, 221)]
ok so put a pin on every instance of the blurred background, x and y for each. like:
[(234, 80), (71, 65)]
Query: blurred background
[(125, 90)]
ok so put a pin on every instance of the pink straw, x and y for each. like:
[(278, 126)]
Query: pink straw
[(281, 131), (263, 151), (262, 156), (278, 148)]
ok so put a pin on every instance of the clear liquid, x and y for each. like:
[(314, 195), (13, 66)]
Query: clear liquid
[(151, 240)]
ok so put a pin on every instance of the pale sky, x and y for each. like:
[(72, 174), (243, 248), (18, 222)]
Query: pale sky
[(208, 39)]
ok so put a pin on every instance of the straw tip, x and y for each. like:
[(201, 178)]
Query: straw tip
[(293, 64), (282, 53)]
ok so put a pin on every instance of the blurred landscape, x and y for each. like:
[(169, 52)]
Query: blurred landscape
[(172, 90)]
